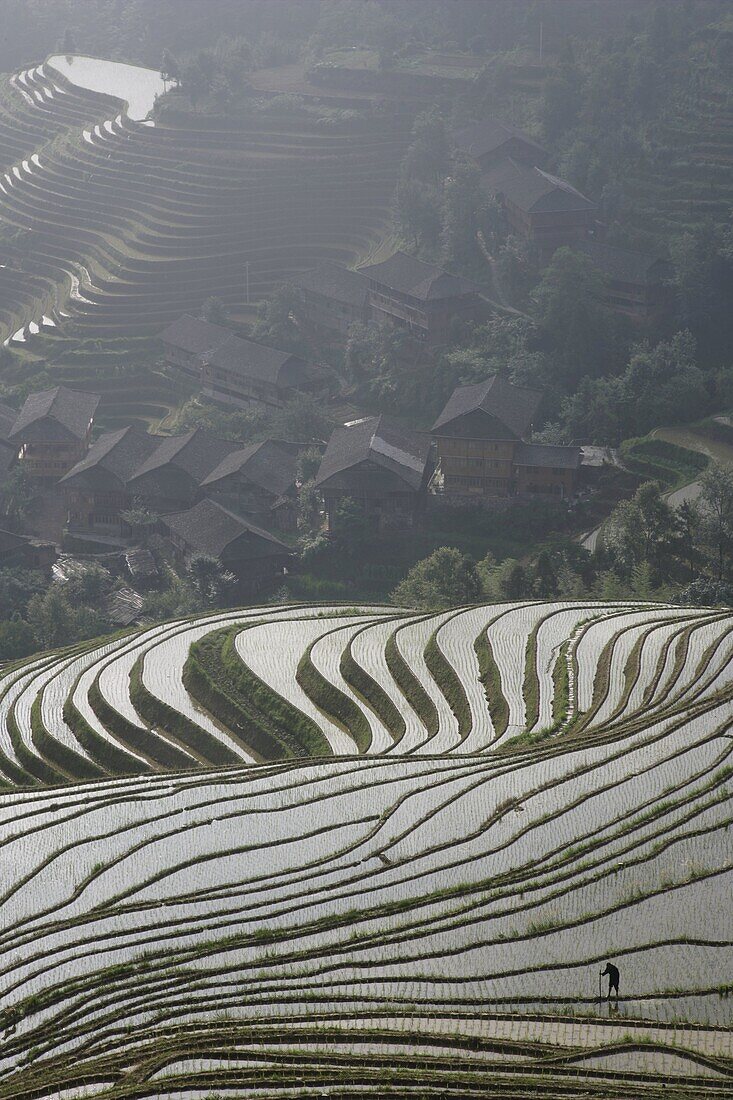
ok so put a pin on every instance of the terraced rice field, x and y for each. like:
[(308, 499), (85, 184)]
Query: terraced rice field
[(115, 226), (310, 850)]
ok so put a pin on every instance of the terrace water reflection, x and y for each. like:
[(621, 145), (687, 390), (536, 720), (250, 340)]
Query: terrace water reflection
[(132, 83)]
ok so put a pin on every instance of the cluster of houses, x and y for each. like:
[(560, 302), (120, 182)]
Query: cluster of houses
[(538, 207), (239, 502), (227, 369)]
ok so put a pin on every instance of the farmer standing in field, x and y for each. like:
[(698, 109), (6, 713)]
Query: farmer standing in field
[(613, 976)]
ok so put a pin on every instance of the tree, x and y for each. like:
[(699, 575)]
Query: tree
[(716, 504), (16, 639), (214, 311), (575, 327), (193, 80), (447, 578), (561, 100), (170, 68), (428, 155), (703, 280), (417, 209), (68, 42), (464, 204), (275, 323), (688, 522), (309, 514), (302, 419), (351, 528), (663, 384), (16, 588), (141, 520), (705, 592), (307, 464), (88, 585), (18, 493), (51, 618), (211, 582), (641, 531), (55, 621)]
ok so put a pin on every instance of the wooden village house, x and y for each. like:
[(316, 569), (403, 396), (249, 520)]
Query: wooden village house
[(543, 209), (421, 297), (258, 481), (252, 376), (52, 431), (186, 340), (96, 489), (481, 437), (331, 299), (384, 468), (256, 558), (636, 284), (490, 141)]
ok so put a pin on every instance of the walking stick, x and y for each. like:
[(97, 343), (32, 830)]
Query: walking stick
[(600, 994)]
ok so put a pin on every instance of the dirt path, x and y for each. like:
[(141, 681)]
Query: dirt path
[(694, 440)]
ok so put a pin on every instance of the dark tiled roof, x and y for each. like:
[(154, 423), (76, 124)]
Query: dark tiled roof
[(10, 541), (8, 416), (378, 440), (119, 453), (533, 190), (541, 454), (55, 416), (479, 138), (336, 283), (196, 453), (427, 282), (268, 465), (207, 528), (193, 335), (255, 361), (623, 265), (514, 406)]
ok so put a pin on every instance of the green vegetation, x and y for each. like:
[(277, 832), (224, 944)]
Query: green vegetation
[(183, 730), (664, 462), (333, 702), (491, 679), (219, 680), (411, 687), (450, 684), (370, 690)]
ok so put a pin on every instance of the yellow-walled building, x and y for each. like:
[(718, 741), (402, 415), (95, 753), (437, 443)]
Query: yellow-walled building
[(482, 449)]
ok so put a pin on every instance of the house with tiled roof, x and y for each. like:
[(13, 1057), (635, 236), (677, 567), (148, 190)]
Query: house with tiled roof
[(483, 448), (169, 477), (421, 297), (542, 208), (636, 283), (259, 481), (25, 552), (96, 489), (384, 468), (255, 557), (186, 340), (490, 141), (331, 298), (249, 375), (52, 430)]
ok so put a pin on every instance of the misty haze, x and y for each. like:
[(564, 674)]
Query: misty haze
[(366, 549)]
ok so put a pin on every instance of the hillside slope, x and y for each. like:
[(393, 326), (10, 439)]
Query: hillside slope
[(116, 226), (502, 798)]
